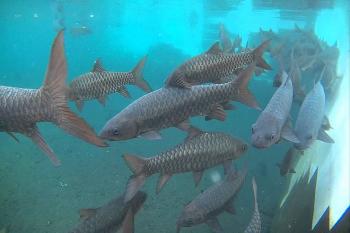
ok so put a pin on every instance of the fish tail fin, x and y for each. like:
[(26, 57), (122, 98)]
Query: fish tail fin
[(258, 52), (255, 193), (136, 165), (53, 94), (241, 82), (138, 75)]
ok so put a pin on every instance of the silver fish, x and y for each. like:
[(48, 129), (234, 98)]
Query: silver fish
[(114, 215), (99, 83), (209, 204), (172, 107), (255, 222), (213, 65), (308, 126), (272, 124), (21, 109), (196, 154), (287, 162)]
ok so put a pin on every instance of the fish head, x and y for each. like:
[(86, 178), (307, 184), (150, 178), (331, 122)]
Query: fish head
[(137, 201), (190, 216), (120, 128), (265, 132)]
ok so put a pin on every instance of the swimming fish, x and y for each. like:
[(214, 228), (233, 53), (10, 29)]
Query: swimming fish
[(209, 204), (213, 65), (196, 154), (255, 222), (99, 83), (308, 126), (172, 107), (287, 162), (21, 109), (272, 124), (111, 217)]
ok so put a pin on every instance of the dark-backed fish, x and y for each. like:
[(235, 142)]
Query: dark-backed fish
[(308, 126), (272, 124), (196, 154), (111, 217), (99, 83), (172, 107), (254, 225), (286, 166), (21, 109), (213, 65), (209, 204)]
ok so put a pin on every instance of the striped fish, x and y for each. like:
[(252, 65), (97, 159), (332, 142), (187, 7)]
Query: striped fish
[(255, 222), (213, 65), (209, 204), (202, 151), (98, 83)]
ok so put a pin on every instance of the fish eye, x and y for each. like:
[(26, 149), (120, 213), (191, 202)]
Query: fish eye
[(252, 130), (115, 132), (272, 137), (244, 147)]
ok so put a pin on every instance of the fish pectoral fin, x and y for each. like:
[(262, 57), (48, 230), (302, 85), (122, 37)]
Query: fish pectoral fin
[(178, 80), (288, 134), (324, 137), (151, 135), (36, 137), (124, 92), (163, 179), (214, 49), (87, 213), (229, 208), (227, 166), (102, 100), (128, 222), (228, 106), (214, 224), (79, 104), (12, 136), (217, 112), (197, 176), (97, 67)]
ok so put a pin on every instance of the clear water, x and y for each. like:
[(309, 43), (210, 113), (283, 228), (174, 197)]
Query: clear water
[(36, 197)]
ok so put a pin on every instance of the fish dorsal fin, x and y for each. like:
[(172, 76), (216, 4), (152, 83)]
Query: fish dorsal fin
[(97, 66), (87, 213), (214, 49), (128, 222)]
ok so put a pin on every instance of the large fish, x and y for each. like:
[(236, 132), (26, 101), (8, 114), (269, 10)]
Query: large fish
[(272, 124), (21, 109), (308, 126), (209, 204), (99, 83), (111, 217), (254, 225), (286, 166), (196, 154), (213, 65), (172, 107)]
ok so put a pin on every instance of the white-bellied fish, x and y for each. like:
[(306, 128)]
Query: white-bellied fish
[(99, 83), (21, 109), (172, 107), (209, 204), (202, 151)]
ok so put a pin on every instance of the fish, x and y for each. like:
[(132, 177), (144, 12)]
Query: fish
[(172, 107), (111, 217), (308, 125), (21, 109), (199, 152), (254, 225), (286, 165), (295, 75), (225, 39), (212, 202), (272, 124), (99, 83), (213, 65)]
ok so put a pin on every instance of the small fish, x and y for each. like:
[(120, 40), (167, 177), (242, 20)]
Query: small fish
[(111, 217), (99, 83), (21, 109), (272, 124), (287, 163), (308, 126), (255, 222), (225, 40), (172, 107), (213, 65), (209, 204), (202, 151)]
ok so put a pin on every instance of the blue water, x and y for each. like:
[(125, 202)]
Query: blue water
[(36, 197)]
